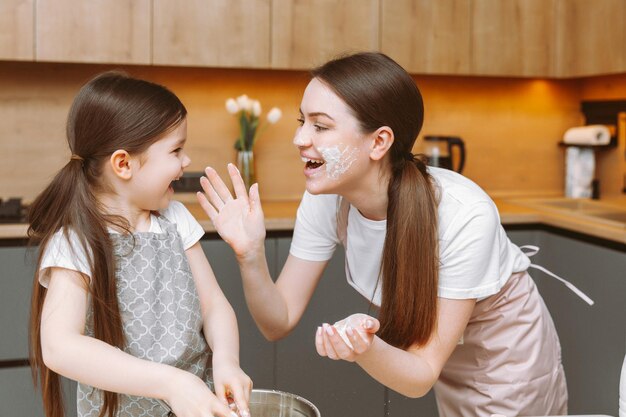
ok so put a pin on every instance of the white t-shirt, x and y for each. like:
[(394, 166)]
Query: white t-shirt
[(476, 256), (63, 253)]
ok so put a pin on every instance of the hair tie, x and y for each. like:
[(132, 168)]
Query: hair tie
[(76, 157), (409, 156)]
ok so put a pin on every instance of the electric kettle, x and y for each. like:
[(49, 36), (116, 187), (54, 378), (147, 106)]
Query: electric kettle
[(438, 150)]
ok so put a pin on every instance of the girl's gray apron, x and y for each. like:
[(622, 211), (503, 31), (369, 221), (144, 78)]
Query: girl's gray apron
[(160, 314), (509, 360)]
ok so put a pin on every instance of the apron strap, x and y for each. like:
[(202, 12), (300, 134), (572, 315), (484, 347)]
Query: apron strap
[(532, 250)]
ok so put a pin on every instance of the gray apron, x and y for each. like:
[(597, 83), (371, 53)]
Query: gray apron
[(160, 314)]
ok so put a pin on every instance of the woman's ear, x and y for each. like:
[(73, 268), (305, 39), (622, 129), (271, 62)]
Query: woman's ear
[(121, 164), (382, 140)]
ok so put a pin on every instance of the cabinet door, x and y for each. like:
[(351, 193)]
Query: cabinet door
[(256, 353), (17, 30), (590, 37), (226, 33), (337, 388), (17, 394), (592, 337), (426, 36), (306, 33), (512, 38), (16, 281), (108, 31)]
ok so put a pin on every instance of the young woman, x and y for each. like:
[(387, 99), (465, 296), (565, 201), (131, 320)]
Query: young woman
[(458, 311), (125, 301)]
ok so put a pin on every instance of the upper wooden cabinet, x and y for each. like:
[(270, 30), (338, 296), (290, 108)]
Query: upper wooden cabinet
[(108, 31), (513, 37), (16, 29), (591, 37), (425, 36), (223, 33), (306, 33)]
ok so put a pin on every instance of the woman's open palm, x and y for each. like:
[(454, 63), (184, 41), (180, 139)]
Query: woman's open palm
[(239, 220)]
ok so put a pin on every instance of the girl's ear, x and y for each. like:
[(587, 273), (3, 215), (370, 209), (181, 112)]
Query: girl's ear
[(382, 140), (121, 164)]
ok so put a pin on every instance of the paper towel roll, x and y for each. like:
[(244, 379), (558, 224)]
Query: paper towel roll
[(587, 135), (580, 165)]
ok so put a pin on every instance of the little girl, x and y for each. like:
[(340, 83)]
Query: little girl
[(124, 300)]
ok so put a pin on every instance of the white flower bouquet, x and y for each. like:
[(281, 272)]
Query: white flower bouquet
[(248, 111)]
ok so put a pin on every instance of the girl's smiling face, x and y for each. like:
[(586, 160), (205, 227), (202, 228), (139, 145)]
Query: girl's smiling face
[(162, 163), (330, 140)]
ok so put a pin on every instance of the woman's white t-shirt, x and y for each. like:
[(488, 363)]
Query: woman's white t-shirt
[(68, 253), (475, 254)]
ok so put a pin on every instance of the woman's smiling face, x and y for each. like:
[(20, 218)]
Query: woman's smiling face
[(330, 140)]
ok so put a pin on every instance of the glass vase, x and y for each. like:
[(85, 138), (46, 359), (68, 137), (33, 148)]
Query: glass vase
[(245, 164)]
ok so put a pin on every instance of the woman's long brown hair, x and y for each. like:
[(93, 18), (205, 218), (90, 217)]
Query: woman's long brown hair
[(110, 112), (381, 93)]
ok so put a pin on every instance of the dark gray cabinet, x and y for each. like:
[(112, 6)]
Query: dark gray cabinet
[(592, 338), (337, 388), (16, 285), (257, 355), (17, 394)]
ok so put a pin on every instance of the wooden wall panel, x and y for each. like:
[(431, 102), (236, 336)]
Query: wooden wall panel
[(106, 31), (511, 126), (306, 33), (427, 37), (17, 30), (219, 33)]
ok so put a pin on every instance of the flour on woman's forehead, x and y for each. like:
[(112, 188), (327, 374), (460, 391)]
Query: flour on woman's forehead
[(338, 159)]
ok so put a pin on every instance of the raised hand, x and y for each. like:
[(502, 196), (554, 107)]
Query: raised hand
[(239, 220), (348, 338)]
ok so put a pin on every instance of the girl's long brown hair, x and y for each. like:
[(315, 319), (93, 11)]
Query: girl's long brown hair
[(381, 93), (110, 112)]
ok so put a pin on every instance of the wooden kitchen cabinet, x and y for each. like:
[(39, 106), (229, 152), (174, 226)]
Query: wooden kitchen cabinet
[(98, 31), (217, 33), (17, 30), (306, 33), (427, 37), (513, 37), (590, 37)]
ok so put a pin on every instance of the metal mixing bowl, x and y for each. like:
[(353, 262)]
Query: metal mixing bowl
[(269, 403)]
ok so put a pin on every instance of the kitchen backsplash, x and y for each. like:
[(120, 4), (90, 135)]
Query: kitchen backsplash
[(511, 126)]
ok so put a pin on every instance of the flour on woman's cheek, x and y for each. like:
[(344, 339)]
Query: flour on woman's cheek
[(338, 160)]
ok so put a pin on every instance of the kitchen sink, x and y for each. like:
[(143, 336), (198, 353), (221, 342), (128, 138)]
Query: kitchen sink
[(598, 211), (615, 216), (575, 205)]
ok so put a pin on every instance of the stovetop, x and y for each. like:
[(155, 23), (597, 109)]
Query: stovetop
[(13, 210)]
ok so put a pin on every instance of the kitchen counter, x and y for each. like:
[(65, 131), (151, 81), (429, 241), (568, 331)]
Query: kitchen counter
[(280, 216)]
